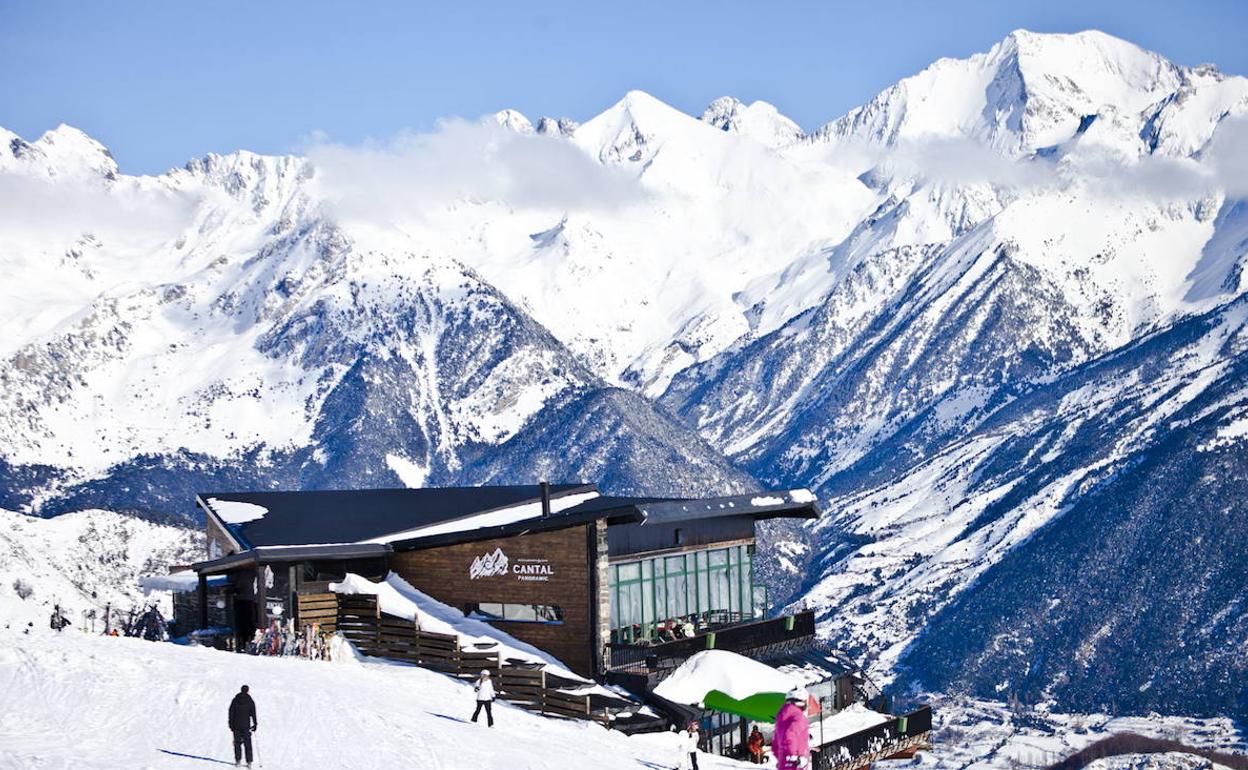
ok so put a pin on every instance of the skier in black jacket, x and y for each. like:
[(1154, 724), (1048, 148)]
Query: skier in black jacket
[(242, 723)]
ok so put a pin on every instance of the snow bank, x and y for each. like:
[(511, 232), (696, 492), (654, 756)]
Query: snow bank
[(235, 512), (397, 597), (854, 718), (735, 675)]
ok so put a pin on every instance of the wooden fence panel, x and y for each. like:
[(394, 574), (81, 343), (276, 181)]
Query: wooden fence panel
[(377, 634), (317, 609)]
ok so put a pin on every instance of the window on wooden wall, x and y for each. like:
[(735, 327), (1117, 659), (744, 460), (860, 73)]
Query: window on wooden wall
[(519, 613)]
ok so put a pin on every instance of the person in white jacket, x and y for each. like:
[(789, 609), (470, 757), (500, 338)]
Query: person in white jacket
[(485, 697), (687, 743)]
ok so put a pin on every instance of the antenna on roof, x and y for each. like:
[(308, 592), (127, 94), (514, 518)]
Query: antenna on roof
[(544, 485)]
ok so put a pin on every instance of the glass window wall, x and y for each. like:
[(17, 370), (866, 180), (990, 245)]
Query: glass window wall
[(670, 597)]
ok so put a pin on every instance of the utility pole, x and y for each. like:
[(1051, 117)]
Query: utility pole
[(822, 712)]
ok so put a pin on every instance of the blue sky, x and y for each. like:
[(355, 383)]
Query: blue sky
[(161, 82)]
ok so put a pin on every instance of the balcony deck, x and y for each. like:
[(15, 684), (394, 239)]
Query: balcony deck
[(751, 637)]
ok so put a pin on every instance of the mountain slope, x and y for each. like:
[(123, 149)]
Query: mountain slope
[(961, 312), (268, 345), (617, 438), (83, 562), (994, 348), (1082, 519), (1140, 578)]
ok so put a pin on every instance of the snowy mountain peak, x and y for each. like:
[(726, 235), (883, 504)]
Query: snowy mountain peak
[(1029, 91), (759, 120), (261, 180), (1106, 69), (548, 126), (632, 129), (64, 151), (512, 120)]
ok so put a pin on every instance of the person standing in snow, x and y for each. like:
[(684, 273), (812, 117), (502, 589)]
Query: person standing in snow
[(756, 744), (791, 743), (485, 697), (59, 621), (688, 747), (242, 724)]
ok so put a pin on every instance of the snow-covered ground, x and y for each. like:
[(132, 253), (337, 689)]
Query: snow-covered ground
[(75, 701), (978, 735)]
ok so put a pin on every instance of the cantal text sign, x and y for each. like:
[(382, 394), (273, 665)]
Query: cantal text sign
[(496, 564)]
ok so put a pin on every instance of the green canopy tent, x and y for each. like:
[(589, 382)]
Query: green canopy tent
[(759, 707)]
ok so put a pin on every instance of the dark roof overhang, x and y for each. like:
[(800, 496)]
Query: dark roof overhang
[(274, 554), (796, 504), (789, 504)]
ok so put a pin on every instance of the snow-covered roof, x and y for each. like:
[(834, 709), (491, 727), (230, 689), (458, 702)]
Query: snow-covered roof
[(735, 675), (408, 518), (258, 519), (186, 580), (852, 719)]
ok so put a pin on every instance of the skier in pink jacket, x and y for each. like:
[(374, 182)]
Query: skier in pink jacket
[(791, 743)]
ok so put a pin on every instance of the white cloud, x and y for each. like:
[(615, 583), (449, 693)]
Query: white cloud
[(462, 161), (36, 209), (961, 161), (1227, 156)]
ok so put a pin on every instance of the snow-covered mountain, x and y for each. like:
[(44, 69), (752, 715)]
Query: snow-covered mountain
[(759, 120), (258, 342), (980, 314), (86, 561)]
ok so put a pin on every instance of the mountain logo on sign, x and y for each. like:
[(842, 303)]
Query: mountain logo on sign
[(488, 565)]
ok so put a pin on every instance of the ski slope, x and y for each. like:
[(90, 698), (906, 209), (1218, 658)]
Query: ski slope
[(76, 701)]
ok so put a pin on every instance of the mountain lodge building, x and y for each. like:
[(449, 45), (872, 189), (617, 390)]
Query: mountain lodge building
[(586, 577)]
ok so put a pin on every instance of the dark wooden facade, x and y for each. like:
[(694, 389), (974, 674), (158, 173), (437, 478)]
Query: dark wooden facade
[(445, 573)]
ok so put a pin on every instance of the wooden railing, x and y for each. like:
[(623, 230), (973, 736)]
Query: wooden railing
[(377, 634)]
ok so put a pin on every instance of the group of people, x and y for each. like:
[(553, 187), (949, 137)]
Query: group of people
[(680, 628), (790, 744), (149, 625)]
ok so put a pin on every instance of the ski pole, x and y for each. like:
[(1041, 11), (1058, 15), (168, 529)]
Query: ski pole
[(255, 748)]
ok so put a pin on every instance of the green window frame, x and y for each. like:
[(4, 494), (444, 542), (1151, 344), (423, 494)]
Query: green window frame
[(709, 585)]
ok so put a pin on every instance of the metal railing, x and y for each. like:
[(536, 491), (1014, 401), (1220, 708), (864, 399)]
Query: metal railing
[(743, 637), (884, 740)]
